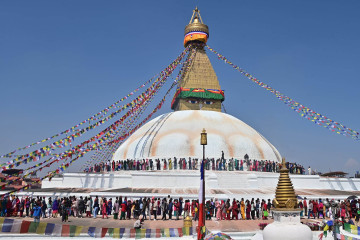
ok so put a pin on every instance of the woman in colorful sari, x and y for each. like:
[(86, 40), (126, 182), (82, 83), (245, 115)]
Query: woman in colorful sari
[(321, 210), (223, 210), (55, 207), (342, 210), (235, 210), (8, 207), (218, 209), (242, 208), (264, 210), (248, 209), (228, 209), (165, 164), (104, 209)]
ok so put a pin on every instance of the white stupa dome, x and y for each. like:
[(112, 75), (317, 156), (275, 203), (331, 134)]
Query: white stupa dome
[(177, 134)]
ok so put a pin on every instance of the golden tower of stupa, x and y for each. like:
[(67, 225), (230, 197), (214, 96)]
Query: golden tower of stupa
[(199, 88)]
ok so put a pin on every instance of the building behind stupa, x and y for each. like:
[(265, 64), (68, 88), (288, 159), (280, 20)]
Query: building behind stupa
[(197, 104)]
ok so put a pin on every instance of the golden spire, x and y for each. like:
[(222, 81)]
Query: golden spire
[(285, 198), (199, 88)]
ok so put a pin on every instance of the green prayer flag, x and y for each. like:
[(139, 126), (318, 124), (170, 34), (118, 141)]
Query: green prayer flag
[(110, 232), (347, 227), (33, 226), (72, 230)]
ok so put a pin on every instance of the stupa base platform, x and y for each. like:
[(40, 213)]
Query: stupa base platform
[(185, 183)]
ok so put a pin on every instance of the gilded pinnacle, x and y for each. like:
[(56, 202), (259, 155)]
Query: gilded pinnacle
[(196, 23)]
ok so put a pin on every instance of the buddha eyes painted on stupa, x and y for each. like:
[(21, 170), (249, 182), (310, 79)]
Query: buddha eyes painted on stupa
[(193, 101)]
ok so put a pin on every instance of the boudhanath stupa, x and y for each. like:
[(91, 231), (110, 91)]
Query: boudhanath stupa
[(196, 105)]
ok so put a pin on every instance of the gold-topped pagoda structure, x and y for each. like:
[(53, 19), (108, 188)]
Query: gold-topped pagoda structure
[(285, 197), (287, 224), (199, 88)]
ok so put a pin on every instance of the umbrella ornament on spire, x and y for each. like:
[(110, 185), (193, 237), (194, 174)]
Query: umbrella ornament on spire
[(196, 30)]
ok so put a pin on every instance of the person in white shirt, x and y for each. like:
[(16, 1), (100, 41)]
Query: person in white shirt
[(137, 224)]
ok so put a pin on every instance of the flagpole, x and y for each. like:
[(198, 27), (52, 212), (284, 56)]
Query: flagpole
[(201, 225), (203, 195)]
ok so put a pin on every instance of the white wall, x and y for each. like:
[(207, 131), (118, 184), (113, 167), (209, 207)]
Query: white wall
[(190, 179)]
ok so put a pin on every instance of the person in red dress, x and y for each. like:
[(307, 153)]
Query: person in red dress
[(104, 209), (235, 210)]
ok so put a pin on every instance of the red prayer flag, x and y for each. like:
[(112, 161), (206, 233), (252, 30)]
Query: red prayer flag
[(25, 226), (65, 231)]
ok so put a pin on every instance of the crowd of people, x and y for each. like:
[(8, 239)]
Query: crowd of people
[(125, 208), (164, 208), (220, 164), (347, 209)]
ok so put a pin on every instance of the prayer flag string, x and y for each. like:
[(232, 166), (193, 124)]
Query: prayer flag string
[(46, 151), (303, 111), (185, 67), (100, 154), (99, 140), (104, 111)]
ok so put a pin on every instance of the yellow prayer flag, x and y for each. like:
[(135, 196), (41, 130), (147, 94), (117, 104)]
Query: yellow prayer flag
[(41, 228), (1, 222), (116, 233), (354, 229), (78, 230), (143, 233), (167, 232), (326, 228)]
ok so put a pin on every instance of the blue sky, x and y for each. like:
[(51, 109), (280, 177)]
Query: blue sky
[(63, 61)]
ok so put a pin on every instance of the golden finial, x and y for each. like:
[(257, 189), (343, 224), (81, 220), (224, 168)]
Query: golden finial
[(285, 198), (196, 30), (196, 16)]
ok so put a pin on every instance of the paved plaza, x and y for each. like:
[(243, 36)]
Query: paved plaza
[(212, 225)]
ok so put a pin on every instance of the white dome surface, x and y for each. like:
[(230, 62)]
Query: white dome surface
[(177, 134)]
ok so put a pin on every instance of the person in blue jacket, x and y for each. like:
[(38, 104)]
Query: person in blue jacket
[(37, 213)]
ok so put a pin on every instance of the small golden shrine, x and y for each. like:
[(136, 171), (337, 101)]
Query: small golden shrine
[(285, 197)]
